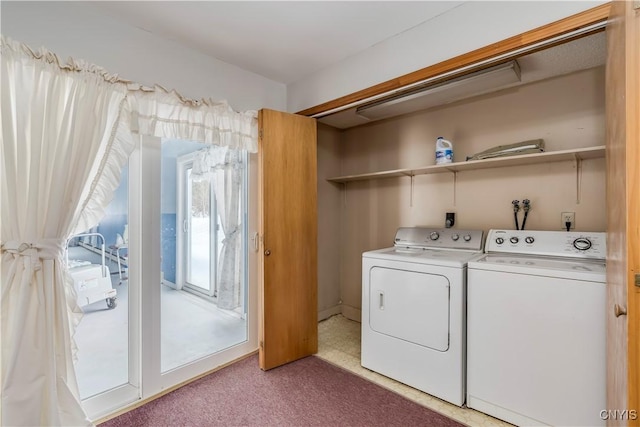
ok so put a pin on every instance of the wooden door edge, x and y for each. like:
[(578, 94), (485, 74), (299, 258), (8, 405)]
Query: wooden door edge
[(632, 27)]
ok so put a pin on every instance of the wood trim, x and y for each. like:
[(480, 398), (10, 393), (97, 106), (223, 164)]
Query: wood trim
[(633, 204), (563, 26), (623, 194), (617, 351)]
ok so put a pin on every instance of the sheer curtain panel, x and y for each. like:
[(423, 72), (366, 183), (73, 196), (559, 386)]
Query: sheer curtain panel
[(224, 168), (65, 138), (228, 190)]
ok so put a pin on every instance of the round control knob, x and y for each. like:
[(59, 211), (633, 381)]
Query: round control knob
[(455, 237), (434, 235), (529, 239), (582, 244), (499, 240), (467, 237), (514, 240)]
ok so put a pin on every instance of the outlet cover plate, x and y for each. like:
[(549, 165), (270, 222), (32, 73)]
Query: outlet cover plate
[(568, 217)]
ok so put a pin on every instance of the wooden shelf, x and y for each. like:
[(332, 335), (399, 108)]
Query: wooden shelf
[(524, 159)]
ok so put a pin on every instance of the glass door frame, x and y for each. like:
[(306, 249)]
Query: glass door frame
[(146, 381), (105, 403), (184, 226), (153, 380)]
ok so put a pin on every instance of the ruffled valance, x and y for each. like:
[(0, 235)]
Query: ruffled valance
[(44, 55), (163, 113)]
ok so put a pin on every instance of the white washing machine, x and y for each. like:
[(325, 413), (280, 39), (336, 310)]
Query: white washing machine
[(536, 328), (413, 309)]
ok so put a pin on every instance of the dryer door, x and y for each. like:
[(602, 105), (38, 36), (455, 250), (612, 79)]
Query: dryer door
[(410, 305)]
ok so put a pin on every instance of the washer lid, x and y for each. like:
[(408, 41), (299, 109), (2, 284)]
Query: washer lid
[(587, 270), (446, 258)]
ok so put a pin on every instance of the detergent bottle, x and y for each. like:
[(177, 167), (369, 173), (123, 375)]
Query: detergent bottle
[(444, 151)]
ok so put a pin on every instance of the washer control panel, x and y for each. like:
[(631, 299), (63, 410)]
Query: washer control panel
[(573, 244), (439, 238)]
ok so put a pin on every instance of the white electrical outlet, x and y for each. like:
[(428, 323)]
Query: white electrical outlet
[(568, 217)]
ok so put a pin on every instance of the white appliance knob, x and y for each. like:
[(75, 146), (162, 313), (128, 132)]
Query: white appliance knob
[(455, 237), (434, 235), (467, 237), (514, 240), (499, 240), (529, 239)]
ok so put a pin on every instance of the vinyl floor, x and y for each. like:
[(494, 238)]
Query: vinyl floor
[(339, 343)]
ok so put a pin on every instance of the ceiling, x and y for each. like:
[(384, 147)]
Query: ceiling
[(286, 41), (283, 41)]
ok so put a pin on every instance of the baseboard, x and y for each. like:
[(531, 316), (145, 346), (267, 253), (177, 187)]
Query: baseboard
[(352, 313), (332, 311)]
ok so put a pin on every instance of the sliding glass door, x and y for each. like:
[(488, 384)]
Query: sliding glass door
[(108, 336), (193, 329), (198, 228), (182, 314)]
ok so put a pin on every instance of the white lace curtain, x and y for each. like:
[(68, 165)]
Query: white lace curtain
[(223, 167), (66, 134)]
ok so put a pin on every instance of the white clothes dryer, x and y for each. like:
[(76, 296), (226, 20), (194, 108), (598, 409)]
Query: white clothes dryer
[(536, 328), (413, 309)]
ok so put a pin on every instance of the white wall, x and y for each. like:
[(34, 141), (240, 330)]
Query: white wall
[(470, 26), (80, 30)]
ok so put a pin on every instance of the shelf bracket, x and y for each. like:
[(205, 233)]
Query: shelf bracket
[(455, 186), (344, 194), (411, 195), (578, 166)]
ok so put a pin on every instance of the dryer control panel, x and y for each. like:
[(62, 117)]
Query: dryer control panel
[(573, 244), (438, 238)]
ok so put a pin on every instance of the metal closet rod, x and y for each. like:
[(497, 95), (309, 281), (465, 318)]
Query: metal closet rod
[(487, 62)]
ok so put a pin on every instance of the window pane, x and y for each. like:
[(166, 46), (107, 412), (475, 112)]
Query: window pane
[(199, 235), (102, 292), (194, 324)]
